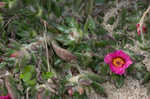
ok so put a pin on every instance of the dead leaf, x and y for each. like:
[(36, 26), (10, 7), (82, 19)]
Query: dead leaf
[(63, 53), (85, 82)]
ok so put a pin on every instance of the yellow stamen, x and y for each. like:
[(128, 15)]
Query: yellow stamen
[(118, 62)]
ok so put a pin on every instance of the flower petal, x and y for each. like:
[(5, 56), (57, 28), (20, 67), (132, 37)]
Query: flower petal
[(5, 97), (126, 57), (123, 55), (117, 70), (118, 53), (108, 58), (127, 64)]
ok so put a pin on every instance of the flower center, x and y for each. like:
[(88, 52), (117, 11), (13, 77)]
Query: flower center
[(118, 62)]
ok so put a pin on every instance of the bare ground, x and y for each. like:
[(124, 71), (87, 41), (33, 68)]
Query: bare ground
[(130, 90)]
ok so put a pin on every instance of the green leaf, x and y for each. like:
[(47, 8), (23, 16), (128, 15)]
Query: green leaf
[(29, 68), (124, 13), (131, 70), (145, 48), (46, 5), (99, 89), (3, 90), (11, 85), (89, 24), (63, 28), (146, 78), (101, 31), (31, 82), (89, 6), (72, 22), (95, 78), (118, 80), (104, 69), (101, 2), (138, 58), (111, 20), (26, 76), (47, 75), (102, 43), (76, 95), (132, 27), (76, 4), (56, 9), (140, 71), (2, 65)]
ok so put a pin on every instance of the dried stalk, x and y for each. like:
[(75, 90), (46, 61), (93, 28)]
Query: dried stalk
[(142, 21), (27, 93), (144, 14), (113, 12), (48, 64)]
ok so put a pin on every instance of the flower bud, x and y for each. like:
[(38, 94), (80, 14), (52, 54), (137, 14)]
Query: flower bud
[(70, 91)]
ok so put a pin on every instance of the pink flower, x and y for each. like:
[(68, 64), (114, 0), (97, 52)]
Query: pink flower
[(15, 54), (70, 91), (139, 30), (118, 61), (2, 4), (5, 97), (137, 25)]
